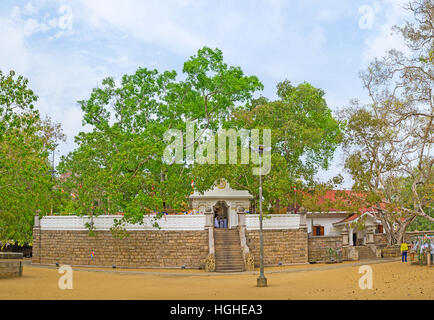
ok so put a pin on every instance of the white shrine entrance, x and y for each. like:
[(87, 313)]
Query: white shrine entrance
[(223, 201)]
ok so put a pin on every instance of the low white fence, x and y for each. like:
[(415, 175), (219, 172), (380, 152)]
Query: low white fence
[(104, 223), (167, 222), (273, 221)]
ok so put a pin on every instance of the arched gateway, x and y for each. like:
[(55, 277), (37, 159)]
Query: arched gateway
[(223, 202)]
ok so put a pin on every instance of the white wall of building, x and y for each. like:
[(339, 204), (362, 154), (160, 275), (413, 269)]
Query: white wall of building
[(327, 223)]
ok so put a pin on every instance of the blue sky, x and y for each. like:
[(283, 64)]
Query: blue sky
[(65, 48)]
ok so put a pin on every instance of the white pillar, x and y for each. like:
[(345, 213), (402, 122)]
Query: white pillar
[(350, 236)]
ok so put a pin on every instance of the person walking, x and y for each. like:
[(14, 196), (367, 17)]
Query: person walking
[(404, 250)]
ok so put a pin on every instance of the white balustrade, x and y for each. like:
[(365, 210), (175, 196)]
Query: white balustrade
[(104, 223), (167, 222), (273, 221)]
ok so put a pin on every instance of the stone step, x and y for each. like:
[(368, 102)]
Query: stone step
[(365, 253), (227, 242), (228, 246), (226, 236), (228, 253), (231, 265), (230, 270), (229, 258)]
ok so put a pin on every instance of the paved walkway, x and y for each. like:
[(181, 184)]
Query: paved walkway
[(182, 273)]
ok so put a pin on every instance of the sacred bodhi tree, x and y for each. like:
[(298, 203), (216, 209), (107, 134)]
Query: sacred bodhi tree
[(389, 141), (304, 136), (118, 166), (26, 183)]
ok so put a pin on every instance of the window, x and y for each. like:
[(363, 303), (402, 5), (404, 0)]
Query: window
[(318, 230), (380, 228)]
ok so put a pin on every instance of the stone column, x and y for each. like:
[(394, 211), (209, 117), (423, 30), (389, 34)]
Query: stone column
[(242, 219), (242, 231), (36, 244), (209, 224), (302, 214), (370, 236), (370, 240), (350, 236), (345, 242), (209, 218)]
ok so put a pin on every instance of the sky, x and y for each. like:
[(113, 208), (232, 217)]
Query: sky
[(66, 48)]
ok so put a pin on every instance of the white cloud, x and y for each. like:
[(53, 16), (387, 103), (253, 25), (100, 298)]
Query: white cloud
[(151, 22), (30, 9), (383, 39), (13, 51)]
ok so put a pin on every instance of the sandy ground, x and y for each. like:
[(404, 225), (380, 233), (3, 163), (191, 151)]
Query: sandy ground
[(391, 280)]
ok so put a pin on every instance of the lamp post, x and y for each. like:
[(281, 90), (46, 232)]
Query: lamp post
[(261, 281), (53, 172)]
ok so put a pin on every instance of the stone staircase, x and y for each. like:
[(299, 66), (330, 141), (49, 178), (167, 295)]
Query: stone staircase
[(228, 254), (365, 253)]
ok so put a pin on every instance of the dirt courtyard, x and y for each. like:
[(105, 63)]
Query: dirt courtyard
[(391, 280)]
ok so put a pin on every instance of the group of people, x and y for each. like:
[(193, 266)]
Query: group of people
[(418, 245), (220, 222)]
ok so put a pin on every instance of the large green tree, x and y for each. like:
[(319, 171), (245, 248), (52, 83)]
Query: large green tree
[(118, 166), (304, 136), (26, 184)]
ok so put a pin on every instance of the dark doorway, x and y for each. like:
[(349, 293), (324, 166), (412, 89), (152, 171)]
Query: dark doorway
[(221, 215), (354, 239)]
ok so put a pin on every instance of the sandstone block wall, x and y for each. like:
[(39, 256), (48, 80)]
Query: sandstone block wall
[(286, 246), (318, 247), (409, 235), (380, 239), (140, 249), (11, 269)]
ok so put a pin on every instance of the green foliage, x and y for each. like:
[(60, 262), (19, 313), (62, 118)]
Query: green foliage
[(422, 224), (119, 164), (304, 136), (25, 142)]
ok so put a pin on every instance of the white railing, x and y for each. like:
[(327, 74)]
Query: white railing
[(273, 221), (104, 223)]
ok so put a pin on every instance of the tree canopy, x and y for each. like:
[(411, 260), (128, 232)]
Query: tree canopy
[(389, 141), (26, 184), (118, 166)]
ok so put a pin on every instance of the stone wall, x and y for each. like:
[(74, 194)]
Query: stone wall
[(140, 249), (409, 235), (318, 247), (380, 239), (285, 246), (10, 269)]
